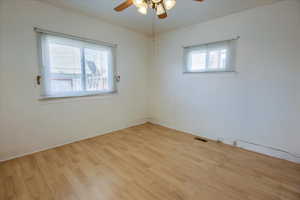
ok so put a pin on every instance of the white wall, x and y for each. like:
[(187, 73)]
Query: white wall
[(28, 124), (259, 104)]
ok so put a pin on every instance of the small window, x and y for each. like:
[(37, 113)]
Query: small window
[(73, 67), (212, 57)]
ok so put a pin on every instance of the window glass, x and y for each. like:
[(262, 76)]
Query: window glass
[(64, 68), (198, 61), (96, 68)]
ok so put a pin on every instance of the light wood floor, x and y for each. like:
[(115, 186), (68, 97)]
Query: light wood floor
[(148, 162)]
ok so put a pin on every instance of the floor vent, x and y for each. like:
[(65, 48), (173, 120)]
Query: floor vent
[(200, 139)]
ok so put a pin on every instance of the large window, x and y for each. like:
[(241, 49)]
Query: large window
[(74, 67), (212, 57)]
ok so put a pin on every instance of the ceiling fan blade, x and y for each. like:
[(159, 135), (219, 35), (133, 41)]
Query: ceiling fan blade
[(199, 0), (163, 16), (123, 6)]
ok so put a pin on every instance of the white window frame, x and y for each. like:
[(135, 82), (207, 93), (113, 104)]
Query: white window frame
[(229, 45), (41, 33)]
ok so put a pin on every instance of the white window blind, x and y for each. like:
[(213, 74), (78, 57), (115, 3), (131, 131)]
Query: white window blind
[(72, 66), (212, 57)]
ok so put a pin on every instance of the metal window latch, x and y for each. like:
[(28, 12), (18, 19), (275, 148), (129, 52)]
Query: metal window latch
[(118, 78), (38, 79)]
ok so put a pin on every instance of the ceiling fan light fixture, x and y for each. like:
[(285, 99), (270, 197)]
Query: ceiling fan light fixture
[(159, 6)]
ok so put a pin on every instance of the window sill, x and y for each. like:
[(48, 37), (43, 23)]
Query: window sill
[(210, 72), (70, 98)]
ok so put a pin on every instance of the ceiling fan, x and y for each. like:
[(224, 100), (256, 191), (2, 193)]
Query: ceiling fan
[(159, 6)]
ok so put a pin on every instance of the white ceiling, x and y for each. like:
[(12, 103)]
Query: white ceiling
[(185, 13)]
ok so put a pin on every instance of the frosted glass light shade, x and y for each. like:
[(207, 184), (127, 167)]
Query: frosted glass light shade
[(143, 9), (169, 4), (156, 1), (138, 3), (160, 9)]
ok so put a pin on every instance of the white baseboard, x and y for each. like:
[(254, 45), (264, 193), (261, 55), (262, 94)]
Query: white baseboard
[(127, 125), (270, 151)]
